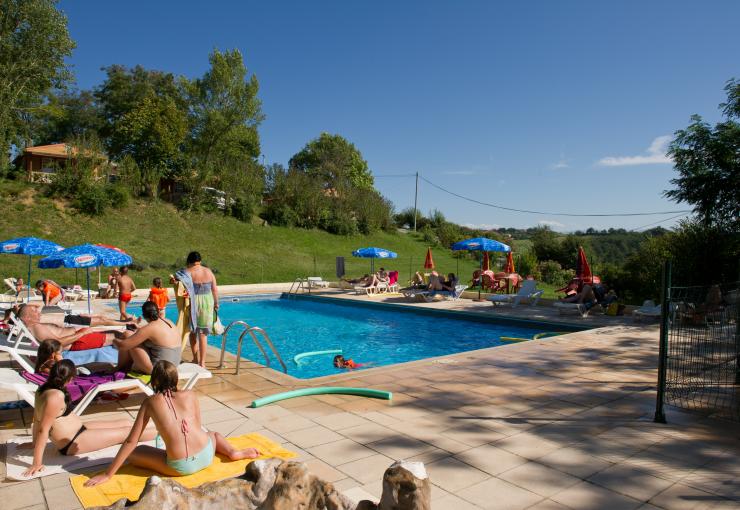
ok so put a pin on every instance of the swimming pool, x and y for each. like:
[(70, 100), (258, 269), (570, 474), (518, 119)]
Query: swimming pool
[(377, 335)]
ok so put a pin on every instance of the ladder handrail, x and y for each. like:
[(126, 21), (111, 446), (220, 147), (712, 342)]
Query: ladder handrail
[(270, 344), (251, 330), (223, 338), (303, 284)]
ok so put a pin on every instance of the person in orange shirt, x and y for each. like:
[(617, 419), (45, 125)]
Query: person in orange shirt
[(158, 295), (51, 292)]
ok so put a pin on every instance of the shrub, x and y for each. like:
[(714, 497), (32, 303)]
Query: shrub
[(553, 273), (242, 209), (526, 265), (118, 195), (92, 199)]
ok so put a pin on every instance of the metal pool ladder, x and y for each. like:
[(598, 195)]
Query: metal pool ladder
[(252, 330), (299, 284)]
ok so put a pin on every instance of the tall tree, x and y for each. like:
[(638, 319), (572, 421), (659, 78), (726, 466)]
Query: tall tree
[(66, 115), (34, 42), (224, 112), (708, 163), (145, 117), (335, 162)]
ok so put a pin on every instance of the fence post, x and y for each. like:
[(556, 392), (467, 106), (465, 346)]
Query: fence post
[(665, 296)]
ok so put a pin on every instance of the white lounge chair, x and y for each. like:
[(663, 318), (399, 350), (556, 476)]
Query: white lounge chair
[(648, 310), (527, 291), (316, 282), (21, 345), (577, 308), (11, 380), (429, 295)]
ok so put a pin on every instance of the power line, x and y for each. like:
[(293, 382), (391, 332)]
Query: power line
[(495, 206), (657, 222)]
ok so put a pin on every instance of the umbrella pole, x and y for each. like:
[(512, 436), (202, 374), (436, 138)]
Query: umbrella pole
[(28, 295), (480, 283), (87, 270)]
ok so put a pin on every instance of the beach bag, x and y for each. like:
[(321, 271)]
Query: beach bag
[(218, 328), (612, 309)]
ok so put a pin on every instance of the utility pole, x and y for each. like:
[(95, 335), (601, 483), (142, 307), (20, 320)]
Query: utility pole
[(416, 194)]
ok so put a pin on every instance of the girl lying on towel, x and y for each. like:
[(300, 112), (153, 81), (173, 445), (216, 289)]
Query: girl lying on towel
[(176, 415), (52, 419)]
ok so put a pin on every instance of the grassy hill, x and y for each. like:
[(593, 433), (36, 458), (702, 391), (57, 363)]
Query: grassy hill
[(158, 237)]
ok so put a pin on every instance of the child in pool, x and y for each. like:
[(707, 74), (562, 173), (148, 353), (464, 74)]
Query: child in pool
[(340, 362)]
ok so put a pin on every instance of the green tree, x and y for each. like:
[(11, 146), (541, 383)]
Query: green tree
[(34, 42), (224, 111), (145, 117), (708, 163), (334, 162), (67, 114)]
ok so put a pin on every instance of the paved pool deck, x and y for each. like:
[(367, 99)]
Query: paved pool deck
[(558, 423)]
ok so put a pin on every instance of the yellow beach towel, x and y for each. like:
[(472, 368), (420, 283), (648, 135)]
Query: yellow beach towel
[(130, 480)]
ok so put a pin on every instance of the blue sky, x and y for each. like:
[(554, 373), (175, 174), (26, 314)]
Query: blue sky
[(548, 106)]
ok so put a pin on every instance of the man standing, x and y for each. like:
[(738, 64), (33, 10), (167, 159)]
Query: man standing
[(126, 287)]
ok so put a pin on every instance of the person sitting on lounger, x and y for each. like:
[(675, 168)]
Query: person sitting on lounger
[(74, 319), (70, 338), (158, 340), (435, 283), (51, 292), (176, 414), (364, 280), (52, 419), (450, 284)]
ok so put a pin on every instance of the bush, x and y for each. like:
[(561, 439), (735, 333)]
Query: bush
[(526, 265), (280, 214), (553, 273), (242, 209), (118, 195), (92, 199)]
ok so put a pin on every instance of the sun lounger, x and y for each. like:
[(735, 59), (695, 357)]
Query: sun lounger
[(11, 380), (316, 282), (527, 291), (429, 295), (573, 308), (648, 310)]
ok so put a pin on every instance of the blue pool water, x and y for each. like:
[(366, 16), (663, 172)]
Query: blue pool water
[(366, 334)]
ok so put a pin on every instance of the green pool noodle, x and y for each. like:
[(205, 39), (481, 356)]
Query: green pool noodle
[(327, 390), (513, 339), (302, 355)]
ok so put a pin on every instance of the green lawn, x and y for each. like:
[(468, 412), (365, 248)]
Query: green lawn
[(158, 237)]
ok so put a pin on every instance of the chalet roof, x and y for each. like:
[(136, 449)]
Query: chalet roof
[(59, 150)]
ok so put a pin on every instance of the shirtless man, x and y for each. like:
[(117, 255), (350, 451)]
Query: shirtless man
[(71, 319), (125, 287), (70, 338)]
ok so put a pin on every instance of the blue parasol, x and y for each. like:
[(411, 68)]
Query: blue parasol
[(29, 246), (86, 256), (374, 253), (481, 244)]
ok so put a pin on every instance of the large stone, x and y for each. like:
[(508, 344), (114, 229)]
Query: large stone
[(405, 487), (276, 485)]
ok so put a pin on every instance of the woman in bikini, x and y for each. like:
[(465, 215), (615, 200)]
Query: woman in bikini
[(158, 340), (52, 420), (176, 415)]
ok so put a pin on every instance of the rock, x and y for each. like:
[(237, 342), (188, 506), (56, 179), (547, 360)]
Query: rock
[(405, 487), (273, 484)]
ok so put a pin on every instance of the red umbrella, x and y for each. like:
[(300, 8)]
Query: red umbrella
[(583, 270), (486, 262), (429, 261), (509, 268)]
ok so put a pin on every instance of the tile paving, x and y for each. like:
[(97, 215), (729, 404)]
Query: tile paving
[(562, 423)]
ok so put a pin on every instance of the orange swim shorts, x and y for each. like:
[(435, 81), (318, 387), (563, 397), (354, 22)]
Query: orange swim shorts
[(89, 341)]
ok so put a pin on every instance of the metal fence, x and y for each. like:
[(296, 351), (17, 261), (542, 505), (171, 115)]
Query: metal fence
[(699, 366)]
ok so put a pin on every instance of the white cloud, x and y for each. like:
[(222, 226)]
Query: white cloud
[(560, 164), (550, 223), (482, 226), (656, 155)]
